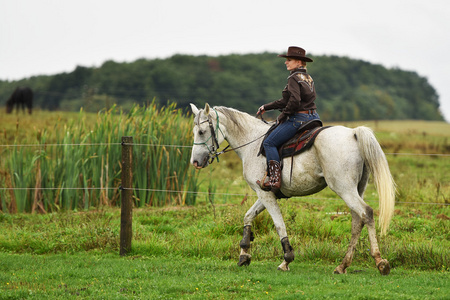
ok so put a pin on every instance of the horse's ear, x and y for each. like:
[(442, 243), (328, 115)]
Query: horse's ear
[(194, 109), (206, 109)]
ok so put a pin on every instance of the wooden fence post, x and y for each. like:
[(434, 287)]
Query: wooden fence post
[(126, 212)]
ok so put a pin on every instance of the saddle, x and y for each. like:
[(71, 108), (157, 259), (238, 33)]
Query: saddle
[(303, 139)]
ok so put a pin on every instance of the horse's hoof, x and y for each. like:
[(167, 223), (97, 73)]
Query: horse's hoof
[(384, 267), (284, 266), (340, 270), (244, 260)]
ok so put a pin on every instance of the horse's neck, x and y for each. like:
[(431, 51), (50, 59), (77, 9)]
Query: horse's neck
[(246, 139)]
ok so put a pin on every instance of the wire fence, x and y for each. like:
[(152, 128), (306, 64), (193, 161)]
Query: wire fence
[(193, 192), (215, 194), (184, 146)]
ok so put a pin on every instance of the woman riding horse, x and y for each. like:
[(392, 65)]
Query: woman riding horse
[(340, 158), (297, 104)]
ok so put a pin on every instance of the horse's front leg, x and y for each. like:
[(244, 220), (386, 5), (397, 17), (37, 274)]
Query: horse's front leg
[(272, 207), (247, 236), (288, 254)]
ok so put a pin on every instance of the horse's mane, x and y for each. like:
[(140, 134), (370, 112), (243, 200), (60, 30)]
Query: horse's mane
[(238, 118)]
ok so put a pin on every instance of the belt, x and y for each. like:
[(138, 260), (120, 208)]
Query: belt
[(306, 111)]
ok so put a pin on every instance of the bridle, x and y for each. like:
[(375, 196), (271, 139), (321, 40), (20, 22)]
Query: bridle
[(214, 135), (213, 150)]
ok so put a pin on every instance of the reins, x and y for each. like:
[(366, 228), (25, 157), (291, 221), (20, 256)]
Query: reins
[(261, 116), (241, 146)]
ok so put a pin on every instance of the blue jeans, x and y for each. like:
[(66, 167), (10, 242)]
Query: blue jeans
[(283, 133)]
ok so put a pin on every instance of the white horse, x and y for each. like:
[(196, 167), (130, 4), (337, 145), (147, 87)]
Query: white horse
[(341, 158)]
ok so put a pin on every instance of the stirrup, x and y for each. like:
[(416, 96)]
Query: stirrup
[(261, 183)]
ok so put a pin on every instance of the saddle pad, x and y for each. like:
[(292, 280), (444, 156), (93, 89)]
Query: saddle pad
[(300, 142)]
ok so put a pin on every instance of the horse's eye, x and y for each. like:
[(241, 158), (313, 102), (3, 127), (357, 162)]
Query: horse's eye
[(201, 132)]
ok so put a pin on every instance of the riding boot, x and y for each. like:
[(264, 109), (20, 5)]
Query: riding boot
[(275, 176)]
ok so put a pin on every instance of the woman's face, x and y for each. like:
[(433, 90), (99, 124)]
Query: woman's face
[(292, 64)]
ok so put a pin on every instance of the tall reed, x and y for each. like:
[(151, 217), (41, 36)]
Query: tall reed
[(81, 166)]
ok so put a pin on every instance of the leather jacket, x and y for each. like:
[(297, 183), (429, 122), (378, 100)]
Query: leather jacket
[(299, 94)]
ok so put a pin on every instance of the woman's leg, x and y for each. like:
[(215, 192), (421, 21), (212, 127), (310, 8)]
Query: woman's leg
[(283, 132), (278, 137)]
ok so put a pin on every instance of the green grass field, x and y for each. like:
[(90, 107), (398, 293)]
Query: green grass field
[(107, 276), (190, 252)]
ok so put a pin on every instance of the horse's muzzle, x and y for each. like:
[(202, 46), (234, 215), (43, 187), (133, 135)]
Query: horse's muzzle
[(201, 165), (195, 164)]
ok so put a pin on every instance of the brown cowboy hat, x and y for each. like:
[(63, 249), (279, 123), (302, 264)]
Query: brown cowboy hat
[(296, 53)]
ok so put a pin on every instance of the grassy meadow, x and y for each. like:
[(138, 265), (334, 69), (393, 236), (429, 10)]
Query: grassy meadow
[(182, 251)]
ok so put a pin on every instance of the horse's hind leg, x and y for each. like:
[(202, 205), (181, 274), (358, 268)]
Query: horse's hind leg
[(382, 264), (247, 236), (357, 226)]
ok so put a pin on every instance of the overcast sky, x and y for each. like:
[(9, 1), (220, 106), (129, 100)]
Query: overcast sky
[(49, 37)]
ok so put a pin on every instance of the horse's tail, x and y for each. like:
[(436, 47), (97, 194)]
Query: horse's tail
[(376, 161)]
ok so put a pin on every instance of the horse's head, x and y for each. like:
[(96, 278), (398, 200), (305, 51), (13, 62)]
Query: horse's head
[(207, 136)]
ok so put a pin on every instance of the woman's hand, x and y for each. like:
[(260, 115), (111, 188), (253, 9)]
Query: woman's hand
[(261, 110)]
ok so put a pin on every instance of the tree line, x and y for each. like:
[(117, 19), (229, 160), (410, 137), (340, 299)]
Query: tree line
[(347, 89)]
